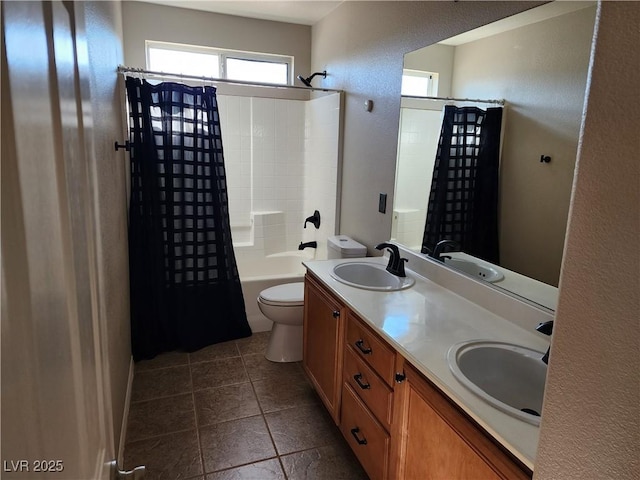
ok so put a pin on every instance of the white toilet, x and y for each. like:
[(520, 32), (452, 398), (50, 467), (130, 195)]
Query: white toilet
[(284, 305)]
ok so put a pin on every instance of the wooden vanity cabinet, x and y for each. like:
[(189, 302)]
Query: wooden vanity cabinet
[(367, 397), (323, 329), (434, 440), (399, 425)]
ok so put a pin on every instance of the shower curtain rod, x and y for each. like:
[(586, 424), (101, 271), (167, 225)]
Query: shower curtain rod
[(500, 102), (141, 71)]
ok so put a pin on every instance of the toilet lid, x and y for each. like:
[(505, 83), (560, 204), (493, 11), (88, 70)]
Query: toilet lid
[(289, 294)]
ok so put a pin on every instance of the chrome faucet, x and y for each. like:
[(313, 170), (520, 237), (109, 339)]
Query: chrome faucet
[(546, 328), (396, 264), (440, 246)]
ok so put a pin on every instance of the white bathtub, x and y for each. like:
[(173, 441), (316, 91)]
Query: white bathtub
[(265, 272)]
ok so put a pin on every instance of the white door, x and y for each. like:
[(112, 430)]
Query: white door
[(55, 395)]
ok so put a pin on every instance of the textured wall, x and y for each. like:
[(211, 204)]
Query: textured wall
[(104, 37), (361, 45), (144, 21), (590, 422)]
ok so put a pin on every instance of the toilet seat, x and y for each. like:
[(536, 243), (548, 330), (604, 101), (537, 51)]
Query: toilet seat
[(286, 295)]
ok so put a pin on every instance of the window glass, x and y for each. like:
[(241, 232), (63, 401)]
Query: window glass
[(218, 63), (417, 83), (186, 63), (257, 71)]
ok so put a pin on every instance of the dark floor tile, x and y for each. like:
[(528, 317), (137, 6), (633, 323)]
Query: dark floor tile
[(161, 382), (217, 373), (215, 405), (287, 391), (235, 443), (169, 359), (301, 428), (213, 352), (333, 462), (160, 416), (256, 343), (260, 368), (266, 470), (169, 457)]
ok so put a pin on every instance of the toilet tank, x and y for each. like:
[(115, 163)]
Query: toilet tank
[(342, 246)]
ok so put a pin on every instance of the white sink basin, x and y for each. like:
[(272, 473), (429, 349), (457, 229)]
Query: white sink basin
[(509, 377), (370, 276), (486, 273)]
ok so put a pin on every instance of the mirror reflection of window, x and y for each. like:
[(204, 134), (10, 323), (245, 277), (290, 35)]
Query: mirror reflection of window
[(417, 83)]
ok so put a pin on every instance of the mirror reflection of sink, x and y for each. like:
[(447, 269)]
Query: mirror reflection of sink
[(509, 377), (486, 273), (370, 276)]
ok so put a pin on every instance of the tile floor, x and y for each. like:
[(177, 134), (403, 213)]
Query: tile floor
[(227, 413)]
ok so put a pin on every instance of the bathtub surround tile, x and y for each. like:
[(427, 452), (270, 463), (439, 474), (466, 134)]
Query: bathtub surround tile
[(169, 359), (161, 416), (259, 368), (161, 382), (302, 428), (265, 470), (235, 443), (216, 373), (331, 462), (168, 457), (213, 352), (216, 405), (284, 392)]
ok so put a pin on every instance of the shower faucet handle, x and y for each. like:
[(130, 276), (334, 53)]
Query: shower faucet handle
[(315, 219)]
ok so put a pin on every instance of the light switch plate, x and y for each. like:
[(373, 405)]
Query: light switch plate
[(382, 203)]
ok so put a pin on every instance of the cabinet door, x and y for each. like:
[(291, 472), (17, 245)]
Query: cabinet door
[(323, 344), (438, 441)]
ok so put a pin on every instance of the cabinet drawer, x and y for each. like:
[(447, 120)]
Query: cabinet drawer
[(366, 437), (375, 394), (371, 349)]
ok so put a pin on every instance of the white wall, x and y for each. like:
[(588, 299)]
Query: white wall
[(144, 21), (590, 422)]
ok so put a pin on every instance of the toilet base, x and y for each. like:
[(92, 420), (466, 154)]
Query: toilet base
[(285, 343)]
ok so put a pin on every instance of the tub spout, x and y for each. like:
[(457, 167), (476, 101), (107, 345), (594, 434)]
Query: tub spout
[(302, 246)]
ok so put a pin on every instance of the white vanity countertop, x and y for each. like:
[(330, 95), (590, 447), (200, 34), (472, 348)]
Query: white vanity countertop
[(422, 323)]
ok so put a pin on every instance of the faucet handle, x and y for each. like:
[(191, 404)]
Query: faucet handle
[(545, 328)]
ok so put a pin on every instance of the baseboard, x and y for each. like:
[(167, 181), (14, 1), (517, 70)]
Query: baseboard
[(125, 415)]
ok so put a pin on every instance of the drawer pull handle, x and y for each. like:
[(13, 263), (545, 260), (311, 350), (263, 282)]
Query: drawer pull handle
[(361, 347), (361, 441), (364, 386), (336, 314)]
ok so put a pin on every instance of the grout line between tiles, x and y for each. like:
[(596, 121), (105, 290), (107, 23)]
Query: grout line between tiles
[(264, 418), (195, 415)]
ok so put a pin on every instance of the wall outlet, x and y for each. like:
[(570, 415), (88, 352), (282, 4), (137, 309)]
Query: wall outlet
[(382, 203)]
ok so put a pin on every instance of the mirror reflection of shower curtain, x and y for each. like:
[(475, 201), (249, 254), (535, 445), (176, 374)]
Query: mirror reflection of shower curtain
[(184, 282), (463, 201)]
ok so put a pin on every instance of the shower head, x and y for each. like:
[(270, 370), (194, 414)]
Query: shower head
[(307, 81)]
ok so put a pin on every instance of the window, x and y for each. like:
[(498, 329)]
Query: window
[(219, 63), (417, 83)]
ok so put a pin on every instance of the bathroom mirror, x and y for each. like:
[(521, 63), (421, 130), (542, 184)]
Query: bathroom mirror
[(537, 61)]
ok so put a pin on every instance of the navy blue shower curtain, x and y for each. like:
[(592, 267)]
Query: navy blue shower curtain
[(463, 201), (185, 288)]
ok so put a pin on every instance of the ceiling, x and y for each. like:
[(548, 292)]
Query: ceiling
[(304, 12)]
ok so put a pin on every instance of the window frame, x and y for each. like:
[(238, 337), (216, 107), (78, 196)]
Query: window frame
[(223, 54)]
